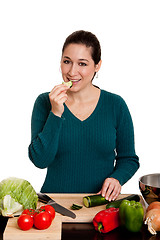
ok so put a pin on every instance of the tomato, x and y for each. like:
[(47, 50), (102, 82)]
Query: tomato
[(42, 220), (25, 222), (49, 209), (30, 212)]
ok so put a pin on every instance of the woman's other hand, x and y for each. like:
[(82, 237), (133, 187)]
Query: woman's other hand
[(57, 98), (111, 189)]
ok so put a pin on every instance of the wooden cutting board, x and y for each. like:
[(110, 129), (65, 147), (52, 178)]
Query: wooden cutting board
[(12, 230)]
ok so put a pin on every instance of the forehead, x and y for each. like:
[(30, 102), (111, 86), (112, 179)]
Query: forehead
[(77, 51)]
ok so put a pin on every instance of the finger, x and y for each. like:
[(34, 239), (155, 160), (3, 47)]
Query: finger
[(105, 187), (58, 89), (61, 98), (115, 193), (59, 86), (109, 192), (53, 95), (100, 192)]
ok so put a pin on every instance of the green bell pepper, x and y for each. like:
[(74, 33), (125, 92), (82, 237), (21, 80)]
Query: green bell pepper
[(131, 215)]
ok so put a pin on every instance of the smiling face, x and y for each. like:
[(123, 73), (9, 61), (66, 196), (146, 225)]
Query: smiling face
[(78, 66)]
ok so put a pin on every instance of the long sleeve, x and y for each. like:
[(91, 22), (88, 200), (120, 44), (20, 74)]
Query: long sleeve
[(45, 130), (127, 162), (80, 155)]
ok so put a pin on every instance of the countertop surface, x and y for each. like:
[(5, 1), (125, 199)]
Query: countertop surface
[(85, 231), (81, 228)]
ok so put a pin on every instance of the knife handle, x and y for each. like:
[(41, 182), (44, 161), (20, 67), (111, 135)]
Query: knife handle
[(43, 197)]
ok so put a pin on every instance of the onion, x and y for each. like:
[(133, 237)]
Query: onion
[(153, 221), (153, 205)]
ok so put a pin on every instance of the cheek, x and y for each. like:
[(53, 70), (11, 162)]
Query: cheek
[(87, 72), (64, 69)]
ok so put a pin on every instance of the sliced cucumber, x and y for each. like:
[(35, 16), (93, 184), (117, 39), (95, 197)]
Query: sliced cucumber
[(68, 84), (76, 207)]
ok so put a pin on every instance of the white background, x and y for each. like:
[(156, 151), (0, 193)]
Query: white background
[(31, 37)]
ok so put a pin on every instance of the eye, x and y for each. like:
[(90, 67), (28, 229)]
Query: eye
[(82, 64), (66, 61)]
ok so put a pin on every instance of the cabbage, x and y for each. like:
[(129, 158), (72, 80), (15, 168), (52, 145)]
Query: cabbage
[(16, 195)]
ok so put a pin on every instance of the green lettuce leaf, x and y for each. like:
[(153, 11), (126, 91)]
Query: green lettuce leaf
[(16, 195)]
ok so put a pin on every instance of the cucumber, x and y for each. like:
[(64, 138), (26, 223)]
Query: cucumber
[(68, 84), (117, 203), (76, 207), (94, 200), (97, 200)]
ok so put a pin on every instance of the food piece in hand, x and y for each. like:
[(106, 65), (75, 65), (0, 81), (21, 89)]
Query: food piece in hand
[(153, 221), (68, 84), (131, 215), (106, 220)]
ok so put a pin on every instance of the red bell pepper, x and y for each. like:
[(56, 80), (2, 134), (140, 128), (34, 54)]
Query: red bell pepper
[(106, 220)]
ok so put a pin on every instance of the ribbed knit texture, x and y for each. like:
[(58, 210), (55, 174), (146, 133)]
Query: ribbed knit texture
[(80, 155)]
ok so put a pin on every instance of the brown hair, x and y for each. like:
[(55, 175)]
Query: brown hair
[(88, 39)]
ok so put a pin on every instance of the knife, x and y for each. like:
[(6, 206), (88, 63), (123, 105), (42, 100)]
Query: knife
[(58, 208)]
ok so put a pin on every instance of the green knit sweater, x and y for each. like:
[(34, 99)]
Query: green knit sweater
[(80, 155)]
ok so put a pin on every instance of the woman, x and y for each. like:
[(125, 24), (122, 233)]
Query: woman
[(83, 135)]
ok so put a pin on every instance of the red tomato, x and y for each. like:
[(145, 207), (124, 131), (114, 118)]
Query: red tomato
[(49, 209), (42, 220), (30, 212), (25, 222)]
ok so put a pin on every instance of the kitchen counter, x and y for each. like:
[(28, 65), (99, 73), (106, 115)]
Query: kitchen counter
[(79, 231), (66, 228), (86, 231)]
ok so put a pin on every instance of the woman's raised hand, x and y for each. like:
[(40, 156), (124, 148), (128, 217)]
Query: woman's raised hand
[(58, 97)]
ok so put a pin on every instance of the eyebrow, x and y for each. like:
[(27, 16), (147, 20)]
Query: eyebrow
[(81, 59)]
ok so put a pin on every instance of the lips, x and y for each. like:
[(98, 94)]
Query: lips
[(73, 80)]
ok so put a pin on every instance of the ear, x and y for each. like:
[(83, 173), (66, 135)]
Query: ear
[(98, 66)]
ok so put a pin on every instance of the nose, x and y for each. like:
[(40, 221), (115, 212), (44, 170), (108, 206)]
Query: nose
[(73, 70)]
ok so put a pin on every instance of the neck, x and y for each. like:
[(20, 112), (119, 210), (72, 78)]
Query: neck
[(84, 95)]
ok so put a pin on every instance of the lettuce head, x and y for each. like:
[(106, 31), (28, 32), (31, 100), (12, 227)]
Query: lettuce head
[(16, 195)]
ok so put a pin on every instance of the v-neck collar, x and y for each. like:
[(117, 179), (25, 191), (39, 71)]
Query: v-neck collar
[(91, 115)]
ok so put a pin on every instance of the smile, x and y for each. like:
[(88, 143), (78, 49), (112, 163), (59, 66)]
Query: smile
[(73, 80)]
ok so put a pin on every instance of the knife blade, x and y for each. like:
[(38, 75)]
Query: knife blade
[(58, 208)]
